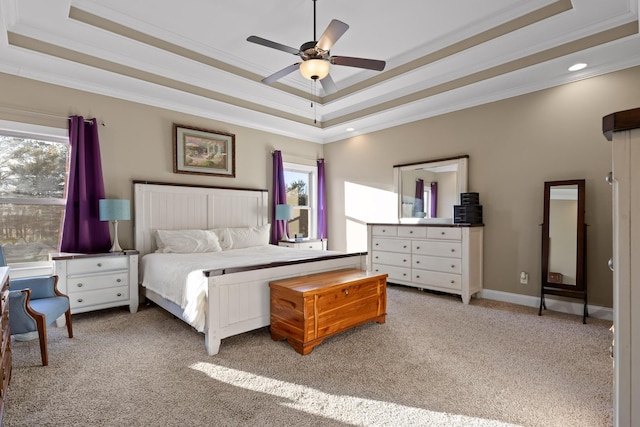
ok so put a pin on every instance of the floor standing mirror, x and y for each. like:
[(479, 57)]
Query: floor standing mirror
[(564, 247)]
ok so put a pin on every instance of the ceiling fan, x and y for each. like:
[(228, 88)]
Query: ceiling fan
[(316, 58)]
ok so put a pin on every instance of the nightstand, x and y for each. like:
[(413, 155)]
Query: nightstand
[(319, 244), (97, 281)]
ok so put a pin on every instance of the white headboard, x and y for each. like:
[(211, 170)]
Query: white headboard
[(180, 207)]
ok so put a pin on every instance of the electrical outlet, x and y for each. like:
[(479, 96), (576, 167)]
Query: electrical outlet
[(524, 277)]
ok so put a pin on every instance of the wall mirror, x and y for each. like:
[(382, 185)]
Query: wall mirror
[(428, 190), (564, 241)]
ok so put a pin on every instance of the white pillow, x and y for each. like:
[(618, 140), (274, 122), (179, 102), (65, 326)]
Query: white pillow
[(245, 237), (187, 241)]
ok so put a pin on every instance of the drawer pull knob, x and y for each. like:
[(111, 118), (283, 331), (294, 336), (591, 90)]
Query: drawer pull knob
[(453, 250), (453, 266), (80, 300), (346, 291), (119, 294), (442, 233), (417, 248), (609, 178), (404, 274), (99, 264), (610, 264), (404, 260), (404, 247), (80, 285), (377, 244), (417, 276), (118, 280), (453, 281), (417, 262), (410, 231)]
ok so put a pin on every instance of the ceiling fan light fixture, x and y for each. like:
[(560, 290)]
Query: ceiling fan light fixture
[(315, 69)]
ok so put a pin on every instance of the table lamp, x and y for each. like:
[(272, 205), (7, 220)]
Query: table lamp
[(284, 213), (115, 210)]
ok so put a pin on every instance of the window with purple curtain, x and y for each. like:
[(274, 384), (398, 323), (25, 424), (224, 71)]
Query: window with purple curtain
[(418, 204), (322, 202), (83, 231), (433, 213), (279, 198)]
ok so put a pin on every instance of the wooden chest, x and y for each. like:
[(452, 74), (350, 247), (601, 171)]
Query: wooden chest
[(307, 309)]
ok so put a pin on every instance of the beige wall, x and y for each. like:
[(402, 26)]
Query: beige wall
[(136, 143), (514, 146)]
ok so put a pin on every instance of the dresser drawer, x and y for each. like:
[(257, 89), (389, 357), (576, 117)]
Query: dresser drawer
[(98, 281), (100, 296), (384, 230), (441, 249), (444, 233), (441, 280), (391, 258), (391, 245), (445, 265), (395, 273), (415, 232), (97, 264)]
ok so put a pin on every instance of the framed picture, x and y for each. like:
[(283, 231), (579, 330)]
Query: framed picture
[(205, 152)]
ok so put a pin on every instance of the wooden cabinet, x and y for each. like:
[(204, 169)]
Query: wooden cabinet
[(441, 258), (5, 345), (98, 281), (317, 244), (307, 309)]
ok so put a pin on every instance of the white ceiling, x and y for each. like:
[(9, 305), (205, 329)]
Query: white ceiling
[(192, 55)]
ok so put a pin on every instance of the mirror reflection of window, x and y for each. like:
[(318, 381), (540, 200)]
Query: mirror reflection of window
[(563, 227)]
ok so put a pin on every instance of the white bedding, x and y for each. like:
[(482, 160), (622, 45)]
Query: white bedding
[(179, 277)]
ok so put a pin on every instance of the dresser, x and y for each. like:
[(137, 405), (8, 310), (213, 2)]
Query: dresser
[(5, 346), (307, 309), (440, 258), (623, 130), (97, 281)]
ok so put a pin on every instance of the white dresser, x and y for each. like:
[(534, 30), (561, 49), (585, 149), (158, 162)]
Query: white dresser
[(440, 258), (97, 281)]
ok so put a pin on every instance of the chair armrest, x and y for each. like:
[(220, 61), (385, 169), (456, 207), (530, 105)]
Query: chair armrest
[(20, 318), (41, 287)]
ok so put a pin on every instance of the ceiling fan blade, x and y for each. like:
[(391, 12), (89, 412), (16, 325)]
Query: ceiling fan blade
[(280, 74), (369, 64), (273, 45), (328, 85), (334, 31)]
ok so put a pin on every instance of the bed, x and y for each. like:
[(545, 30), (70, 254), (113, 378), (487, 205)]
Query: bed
[(228, 291)]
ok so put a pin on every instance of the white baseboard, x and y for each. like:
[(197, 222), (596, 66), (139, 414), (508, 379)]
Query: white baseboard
[(553, 304)]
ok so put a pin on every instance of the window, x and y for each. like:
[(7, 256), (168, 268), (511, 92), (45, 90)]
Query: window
[(301, 182), (33, 174)]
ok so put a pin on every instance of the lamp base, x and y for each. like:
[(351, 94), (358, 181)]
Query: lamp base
[(116, 246)]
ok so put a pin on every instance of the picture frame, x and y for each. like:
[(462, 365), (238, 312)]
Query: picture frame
[(203, 152)]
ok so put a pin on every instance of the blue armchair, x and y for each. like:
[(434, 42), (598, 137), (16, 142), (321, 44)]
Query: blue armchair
[(35, 303)]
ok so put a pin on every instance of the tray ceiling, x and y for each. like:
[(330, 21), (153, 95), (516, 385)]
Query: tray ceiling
[(192, 55)]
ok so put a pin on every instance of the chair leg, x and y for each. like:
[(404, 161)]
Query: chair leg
[(42, 335), (67, 316)]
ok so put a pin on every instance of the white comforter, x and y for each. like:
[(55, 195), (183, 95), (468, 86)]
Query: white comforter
[(179, 277)]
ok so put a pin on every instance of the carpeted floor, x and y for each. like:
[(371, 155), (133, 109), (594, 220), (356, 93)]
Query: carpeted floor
[(435, 362)]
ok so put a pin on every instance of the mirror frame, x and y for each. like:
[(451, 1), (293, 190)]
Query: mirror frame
[(580, 285), (461, 183)]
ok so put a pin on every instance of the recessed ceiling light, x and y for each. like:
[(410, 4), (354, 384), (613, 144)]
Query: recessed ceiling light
[(350, 129), (578, 66)]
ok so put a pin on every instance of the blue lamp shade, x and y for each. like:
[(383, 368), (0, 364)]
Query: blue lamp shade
[(284, 212), (114, 209)]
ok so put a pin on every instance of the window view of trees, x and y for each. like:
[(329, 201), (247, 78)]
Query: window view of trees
[(297, 184), (33, 176)]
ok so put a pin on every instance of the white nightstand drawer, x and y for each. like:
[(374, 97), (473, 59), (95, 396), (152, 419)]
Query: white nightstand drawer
[(445, 265), (101, 296), (395, 273), (391, 258), (441, 280), (384, 230), (391, 245), (305, 244), (442, 249), (444, 233), (101, 281), (98, 264)]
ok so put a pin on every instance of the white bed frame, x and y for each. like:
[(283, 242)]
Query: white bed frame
[(238, 301)]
